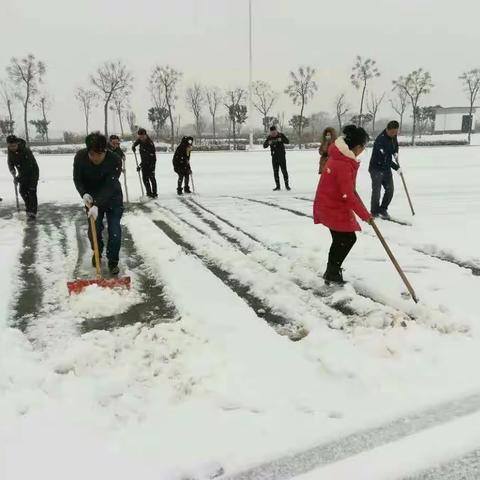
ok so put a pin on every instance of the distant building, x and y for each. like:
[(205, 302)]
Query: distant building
[(454, 120)]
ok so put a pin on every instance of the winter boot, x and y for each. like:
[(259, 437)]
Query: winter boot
[(287, 186), (277, 188), (333, 276), (187, 189), (384, 214), (31, 216), (179, 191), (113, 267)]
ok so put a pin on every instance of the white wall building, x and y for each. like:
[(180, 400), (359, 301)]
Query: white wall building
[(453, 120)]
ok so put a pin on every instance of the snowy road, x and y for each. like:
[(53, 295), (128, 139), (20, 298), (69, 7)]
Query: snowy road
[(229, 355)]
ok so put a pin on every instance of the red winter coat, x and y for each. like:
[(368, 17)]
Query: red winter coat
[(336, 199)]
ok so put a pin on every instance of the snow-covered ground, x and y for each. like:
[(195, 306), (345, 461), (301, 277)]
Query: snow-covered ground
[(228, 354)]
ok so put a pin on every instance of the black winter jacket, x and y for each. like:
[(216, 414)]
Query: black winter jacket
[(277, 145), (147, 153), (181, 161), (384, 149), (24, 162), (100, 181)]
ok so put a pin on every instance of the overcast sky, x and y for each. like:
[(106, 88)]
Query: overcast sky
[(208, 41)]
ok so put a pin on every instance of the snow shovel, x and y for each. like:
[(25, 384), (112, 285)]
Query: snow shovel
[(394, 261), (76, 286), (125, 177), (193, 183), (406, 189), (138, 171), (16, 194)]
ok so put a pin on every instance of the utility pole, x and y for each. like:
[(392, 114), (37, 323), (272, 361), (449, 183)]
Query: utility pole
[(250, 102)]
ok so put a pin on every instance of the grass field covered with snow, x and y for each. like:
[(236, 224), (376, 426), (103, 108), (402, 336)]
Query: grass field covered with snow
[(229, 354)]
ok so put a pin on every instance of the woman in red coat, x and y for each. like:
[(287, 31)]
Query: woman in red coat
[(337, 202)]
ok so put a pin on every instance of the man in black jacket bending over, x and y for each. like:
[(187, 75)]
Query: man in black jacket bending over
[(385, 150), (276, 141), (24, 169), (149, 159), (95, 172)]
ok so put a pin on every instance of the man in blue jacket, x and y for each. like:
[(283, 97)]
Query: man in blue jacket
[(385, 151), (95, 173)]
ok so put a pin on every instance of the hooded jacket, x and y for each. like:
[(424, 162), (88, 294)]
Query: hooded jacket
[(22, 163), (336, 201)]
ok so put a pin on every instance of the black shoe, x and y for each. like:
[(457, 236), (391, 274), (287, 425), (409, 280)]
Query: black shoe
[(287, 186), (154, 195), (179, 191), (384, 214), (187, 190), (276, 189), (31, 216), (333, 277), (113, 267)]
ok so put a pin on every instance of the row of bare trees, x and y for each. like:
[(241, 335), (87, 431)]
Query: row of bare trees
[(111, 86)]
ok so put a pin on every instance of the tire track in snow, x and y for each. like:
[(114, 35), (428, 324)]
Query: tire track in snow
[(280, 323), (290, 466), (29, 299), (465, 468), (330, 296)]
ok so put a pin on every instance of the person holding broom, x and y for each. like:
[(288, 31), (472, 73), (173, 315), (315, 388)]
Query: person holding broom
[(96, 173), (337, 202)]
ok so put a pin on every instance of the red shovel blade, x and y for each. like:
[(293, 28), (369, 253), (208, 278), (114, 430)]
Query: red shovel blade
[(76, 286)]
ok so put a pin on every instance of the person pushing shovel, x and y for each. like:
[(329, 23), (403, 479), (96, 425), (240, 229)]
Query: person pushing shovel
[(96, 173)]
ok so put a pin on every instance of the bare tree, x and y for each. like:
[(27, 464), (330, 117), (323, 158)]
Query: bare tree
[(26, 73), (88, 99), (234, 108), (44, 103), (471, 83), (195, 98), (400, 105), (120, 104), (301, 90), (373, 104), (132, 121), (263, 100), (7, 94), (214, 98), (415, 84), (163, 85), (111, 79), (341, 109), (363, 71)]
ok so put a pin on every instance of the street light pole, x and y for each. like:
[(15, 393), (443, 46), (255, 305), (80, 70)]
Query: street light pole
[(250, 102)]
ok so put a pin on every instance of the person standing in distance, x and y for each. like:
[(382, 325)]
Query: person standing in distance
[(148, 161), (181, 164), (114, 147), (329, 136), (25, 172), (385, 151), (277, 141), (96, 171)]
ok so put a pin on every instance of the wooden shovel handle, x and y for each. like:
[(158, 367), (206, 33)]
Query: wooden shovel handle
[(96, 252)]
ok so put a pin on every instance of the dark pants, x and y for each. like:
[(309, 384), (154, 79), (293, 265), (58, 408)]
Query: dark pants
[(183, 179), (342, 243), (148, 177), (113, 214), (28, 191), (381, 179), (280, 163)]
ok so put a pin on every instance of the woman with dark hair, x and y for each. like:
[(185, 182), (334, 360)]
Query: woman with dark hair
[(329, 136), (181, 164), (337, 202)]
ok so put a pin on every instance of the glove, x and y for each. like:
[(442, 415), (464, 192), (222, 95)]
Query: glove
[(93, 212), (87, 200), (399, 171), (139, 168)]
